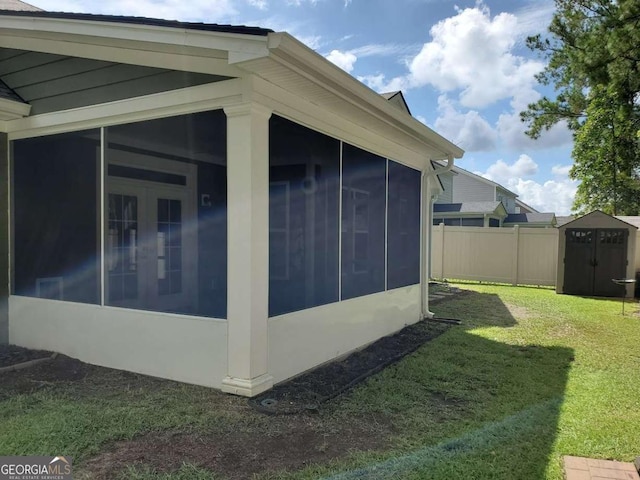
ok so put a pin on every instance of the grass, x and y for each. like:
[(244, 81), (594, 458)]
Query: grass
[(529, 377)]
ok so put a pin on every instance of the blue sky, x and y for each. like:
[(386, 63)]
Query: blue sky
[(463, 67)]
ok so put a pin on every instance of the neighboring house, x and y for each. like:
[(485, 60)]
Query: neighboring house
[(397, 99), (214, 204), (470, 200)]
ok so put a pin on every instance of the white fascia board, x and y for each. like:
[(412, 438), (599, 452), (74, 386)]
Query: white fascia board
[(233, 42), (111, 51), (11, 110), (322, 120), (176, 102), (296, 56), (152, 46)]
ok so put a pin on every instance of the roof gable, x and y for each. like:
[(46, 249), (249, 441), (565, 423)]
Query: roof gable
[(397, 100), (470, 208), (598, 219)]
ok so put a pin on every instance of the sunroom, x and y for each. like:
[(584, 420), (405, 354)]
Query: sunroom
[(212, 204)]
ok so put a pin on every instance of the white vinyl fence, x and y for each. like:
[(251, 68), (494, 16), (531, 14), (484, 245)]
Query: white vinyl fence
[(517, 255)]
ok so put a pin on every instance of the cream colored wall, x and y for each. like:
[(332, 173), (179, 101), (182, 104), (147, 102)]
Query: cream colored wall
[(301, 340), (177, 347), (526, 256)]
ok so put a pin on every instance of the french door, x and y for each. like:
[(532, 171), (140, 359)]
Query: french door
[(149, 249)]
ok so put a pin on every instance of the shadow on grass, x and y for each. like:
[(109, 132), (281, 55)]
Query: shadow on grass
[(469, 406)]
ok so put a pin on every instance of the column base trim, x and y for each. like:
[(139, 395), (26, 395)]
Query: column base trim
[(247, 387)]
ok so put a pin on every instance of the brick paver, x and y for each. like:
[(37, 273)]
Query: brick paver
[(580, 468)]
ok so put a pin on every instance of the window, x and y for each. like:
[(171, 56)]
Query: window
[(55, 217), (363, 222), (304, 184), (403, 230)]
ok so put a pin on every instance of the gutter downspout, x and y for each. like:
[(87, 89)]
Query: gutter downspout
[(427, 216)]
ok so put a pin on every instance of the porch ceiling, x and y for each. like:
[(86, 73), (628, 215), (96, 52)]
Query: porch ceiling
[(50, 82)]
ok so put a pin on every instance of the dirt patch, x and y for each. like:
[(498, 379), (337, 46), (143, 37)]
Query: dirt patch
[(289, 445), (309, 390), (61, 369), (13, 355)]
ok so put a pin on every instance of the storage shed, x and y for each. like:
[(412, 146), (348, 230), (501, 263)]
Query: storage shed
[(593, 250)]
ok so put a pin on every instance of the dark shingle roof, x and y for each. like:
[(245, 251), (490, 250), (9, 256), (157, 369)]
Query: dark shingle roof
[(530, 218), (466, 207), (209, 27)]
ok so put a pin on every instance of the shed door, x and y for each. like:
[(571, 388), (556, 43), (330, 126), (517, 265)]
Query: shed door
[(592, 258)]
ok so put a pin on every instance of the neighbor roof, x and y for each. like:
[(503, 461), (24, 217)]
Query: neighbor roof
[(632, 220), (468, 207), (209, 27), (397, 99), (17, 5), (539, 218)]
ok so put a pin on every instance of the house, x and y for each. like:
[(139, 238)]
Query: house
[(214, 204), (472, 200)]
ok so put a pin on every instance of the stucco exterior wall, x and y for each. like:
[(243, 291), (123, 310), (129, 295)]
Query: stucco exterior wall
[(301, 340), (177, 347)]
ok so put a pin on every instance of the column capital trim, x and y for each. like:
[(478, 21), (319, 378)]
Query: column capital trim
[(250, 108)]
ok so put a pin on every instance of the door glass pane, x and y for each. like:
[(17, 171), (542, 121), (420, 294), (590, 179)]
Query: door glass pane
[(122, 247), (169, 246)]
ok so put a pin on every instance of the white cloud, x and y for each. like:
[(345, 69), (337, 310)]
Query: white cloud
[(468, 130), (511, 129), (472, 52), (376, 49), (260, 4), (561, 170), (420, 118), (503, 173), (551, 196), (555, 195), (344, 60)]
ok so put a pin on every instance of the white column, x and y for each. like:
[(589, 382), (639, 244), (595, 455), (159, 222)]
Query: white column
[(426, 215), (248, 249)]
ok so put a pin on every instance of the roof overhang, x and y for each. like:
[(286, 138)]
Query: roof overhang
[(466, 210), (277, 58), (12, 110)]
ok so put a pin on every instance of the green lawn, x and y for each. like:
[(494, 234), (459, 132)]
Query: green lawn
[(529, 377)]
